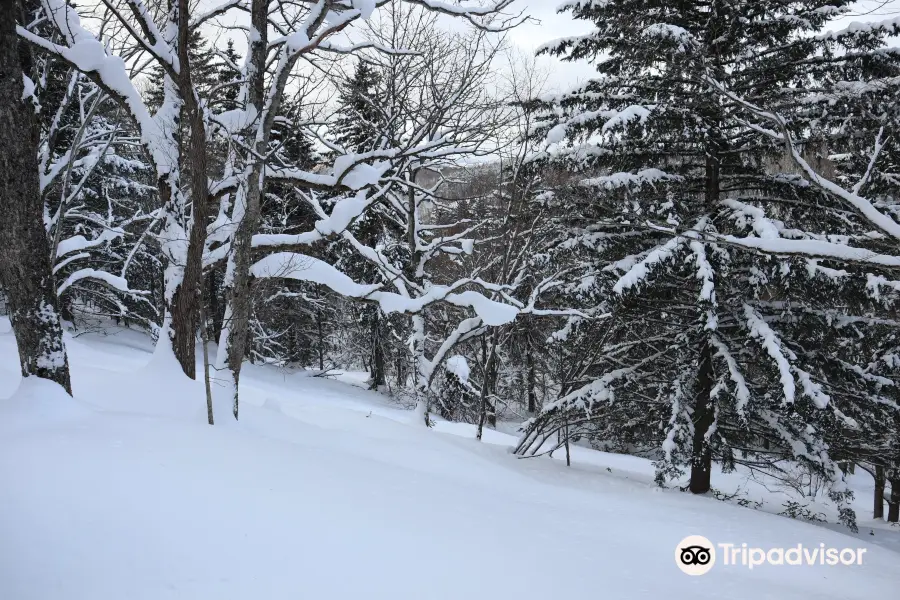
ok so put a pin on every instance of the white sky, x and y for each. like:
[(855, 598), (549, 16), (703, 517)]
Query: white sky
[(566, 75), (546, 25)]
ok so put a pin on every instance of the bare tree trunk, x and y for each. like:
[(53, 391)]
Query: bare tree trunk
[(894, 501), (485, 388), (320, 342), (204, 335), (878, 512), (531, 378), (239, 298), (376, 374), (423, 400), (184, 274), (247, 207), (25, 270), (401, 372), (186, 303), (704, 412), (701, 458), (420, 380), (212, 303)]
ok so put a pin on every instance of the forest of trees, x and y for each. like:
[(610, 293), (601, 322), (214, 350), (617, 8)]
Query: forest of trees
[(693, 257)]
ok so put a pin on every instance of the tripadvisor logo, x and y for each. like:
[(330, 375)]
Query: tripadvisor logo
[(696, 555)]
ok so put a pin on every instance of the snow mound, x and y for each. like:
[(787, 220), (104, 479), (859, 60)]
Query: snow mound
[(37, 402)]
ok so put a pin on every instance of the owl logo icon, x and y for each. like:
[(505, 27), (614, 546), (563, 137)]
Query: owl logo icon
[(695, 555)]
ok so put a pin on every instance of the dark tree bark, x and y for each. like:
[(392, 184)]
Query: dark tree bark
[(704, 411), (487, 411), (701, 459), (376, 373), (531, 379), (239, 298), (25, 270), (320, 343), (214, 315), (878, 512), (400, 372), (204, 336), (894, 501), (485, 387), (185, 305)]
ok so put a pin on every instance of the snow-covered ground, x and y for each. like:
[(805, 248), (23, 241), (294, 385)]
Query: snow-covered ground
[(326, 490)]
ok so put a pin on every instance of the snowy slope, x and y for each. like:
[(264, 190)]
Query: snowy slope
[(325, 490)]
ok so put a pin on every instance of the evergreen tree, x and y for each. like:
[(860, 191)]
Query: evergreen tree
[(359, 123), (359, 128), (691, 360), (205, 71), (100, 211), (293, 322), (226, 79)]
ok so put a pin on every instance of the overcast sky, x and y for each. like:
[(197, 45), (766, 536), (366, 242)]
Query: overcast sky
[(552, 26), (546, 25)]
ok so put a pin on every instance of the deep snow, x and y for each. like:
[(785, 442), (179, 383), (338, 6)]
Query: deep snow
[(325, 490)]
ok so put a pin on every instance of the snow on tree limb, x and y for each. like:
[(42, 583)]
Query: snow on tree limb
[(89, 56), (742, 392), (705, 272), (639, 272), (857, 27), (292, 265), (475, 14), (620, 180), (216, 11), (814, 248), (862, 205), (79, 242), (760, 330), (118, 283)]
